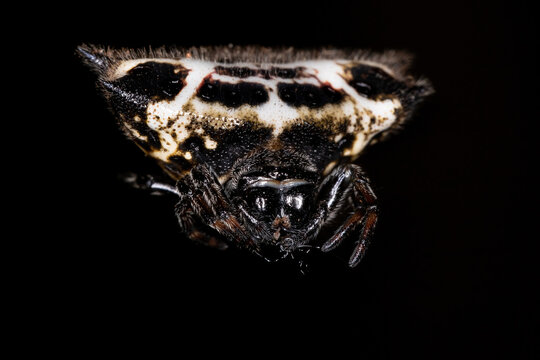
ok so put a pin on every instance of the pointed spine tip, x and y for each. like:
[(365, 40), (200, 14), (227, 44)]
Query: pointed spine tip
[(94, 57)]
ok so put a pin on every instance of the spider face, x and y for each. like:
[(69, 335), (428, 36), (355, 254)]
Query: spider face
[(283, 211), (259, 144), (284, 205), (281, 205)]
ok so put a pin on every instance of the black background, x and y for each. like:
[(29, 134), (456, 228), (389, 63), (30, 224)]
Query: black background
[(450, 272)]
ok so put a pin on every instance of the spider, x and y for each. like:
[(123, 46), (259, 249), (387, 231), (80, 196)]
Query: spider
[(259, 144)]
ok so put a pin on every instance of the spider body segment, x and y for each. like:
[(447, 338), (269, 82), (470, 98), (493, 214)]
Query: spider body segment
[(259, 144)]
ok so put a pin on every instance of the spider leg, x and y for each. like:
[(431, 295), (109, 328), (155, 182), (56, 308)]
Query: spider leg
[(332, 191), (195, 230), (149, 183), (364, 217), (202, 195), (189, 224)]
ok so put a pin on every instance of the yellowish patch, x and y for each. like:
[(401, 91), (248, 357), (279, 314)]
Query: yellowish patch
[(209, 143), (329, 168)]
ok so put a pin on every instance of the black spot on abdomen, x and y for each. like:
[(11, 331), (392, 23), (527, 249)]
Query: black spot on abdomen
[(308, 95), (288, 73), (130, 95), (236, 71), (373, 82), (154, 81), (149, 81), (232, 95), (243, 72)]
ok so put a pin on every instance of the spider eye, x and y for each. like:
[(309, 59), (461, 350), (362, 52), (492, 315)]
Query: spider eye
[(295, 201), (290, 198), (262, 200), (260, 203)]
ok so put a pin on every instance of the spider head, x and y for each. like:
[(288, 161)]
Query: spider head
[(277, 203)]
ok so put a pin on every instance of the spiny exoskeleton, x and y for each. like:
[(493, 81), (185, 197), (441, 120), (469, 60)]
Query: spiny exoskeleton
[(259, 143)]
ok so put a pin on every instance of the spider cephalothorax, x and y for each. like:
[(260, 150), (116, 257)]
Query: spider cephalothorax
[(259, 143)]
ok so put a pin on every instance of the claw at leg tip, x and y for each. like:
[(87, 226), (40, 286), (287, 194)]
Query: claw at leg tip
[(355, 258), (329, 245)]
